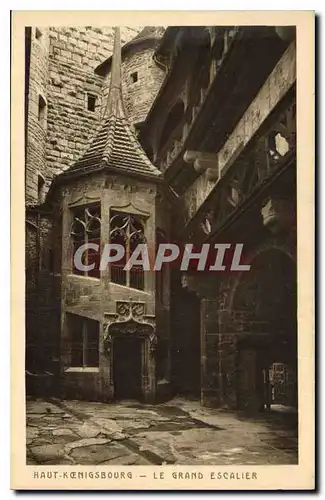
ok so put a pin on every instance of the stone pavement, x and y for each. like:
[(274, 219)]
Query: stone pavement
[(177, 432)]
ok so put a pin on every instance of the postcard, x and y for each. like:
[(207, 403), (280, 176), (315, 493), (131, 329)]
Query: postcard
[(163, 250)]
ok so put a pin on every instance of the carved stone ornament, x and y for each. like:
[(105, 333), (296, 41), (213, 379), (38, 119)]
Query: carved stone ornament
[(130, 327), (277, 214), (129, 309), (206, 226), (129, 319)]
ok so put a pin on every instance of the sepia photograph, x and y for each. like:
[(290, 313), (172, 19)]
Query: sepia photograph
[(161, 271)]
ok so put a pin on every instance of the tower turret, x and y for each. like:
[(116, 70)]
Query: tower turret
[(111, 314), (141, 76)]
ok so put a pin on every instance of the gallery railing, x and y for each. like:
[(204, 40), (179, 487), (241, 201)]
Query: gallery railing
[(258, 163)]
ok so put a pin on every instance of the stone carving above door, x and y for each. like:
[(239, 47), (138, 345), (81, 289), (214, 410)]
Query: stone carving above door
[(130, 309), (130, 319), (130, 327)]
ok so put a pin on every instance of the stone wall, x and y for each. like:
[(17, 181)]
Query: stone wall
[(62, 71), (74, 54), (31, 273), (138, 95), (43, 292), (36, 125)]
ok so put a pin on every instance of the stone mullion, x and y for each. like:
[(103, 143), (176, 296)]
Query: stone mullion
[(105, 359), (86, 242), (66, 263), (128, 252)]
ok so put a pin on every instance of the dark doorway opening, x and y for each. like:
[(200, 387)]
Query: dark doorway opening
[(185, 342), (267, 352), (127, 368), (267, 374)]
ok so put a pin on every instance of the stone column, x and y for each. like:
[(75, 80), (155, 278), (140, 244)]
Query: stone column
[(218, 356), (66, 263), (218, 346), (106, 345)]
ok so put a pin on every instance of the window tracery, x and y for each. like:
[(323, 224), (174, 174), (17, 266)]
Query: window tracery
[(127, 230), (86, 228)]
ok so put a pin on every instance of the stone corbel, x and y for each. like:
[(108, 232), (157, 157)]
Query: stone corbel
[(203, 162), (278, 214)]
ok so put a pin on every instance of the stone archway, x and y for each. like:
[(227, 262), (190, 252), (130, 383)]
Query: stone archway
[(264, 316)]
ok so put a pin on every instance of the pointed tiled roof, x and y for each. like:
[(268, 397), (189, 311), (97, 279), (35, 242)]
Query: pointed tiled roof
[(115, 145)]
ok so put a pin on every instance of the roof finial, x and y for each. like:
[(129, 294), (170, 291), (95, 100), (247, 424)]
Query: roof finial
[(115, 105)]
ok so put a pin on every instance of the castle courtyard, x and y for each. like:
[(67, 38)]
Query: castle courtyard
[(178, 432)]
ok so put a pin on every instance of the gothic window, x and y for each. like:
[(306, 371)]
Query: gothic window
[(127, 230), (86, 229), (84, 337)]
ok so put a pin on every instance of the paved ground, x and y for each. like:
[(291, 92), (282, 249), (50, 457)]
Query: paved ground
[(178, 432)]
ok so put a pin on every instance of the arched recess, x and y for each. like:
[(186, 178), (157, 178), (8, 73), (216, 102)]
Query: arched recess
[(264, 316), (173, 124)]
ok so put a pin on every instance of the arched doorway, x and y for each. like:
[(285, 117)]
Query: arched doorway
[(265, 303)]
